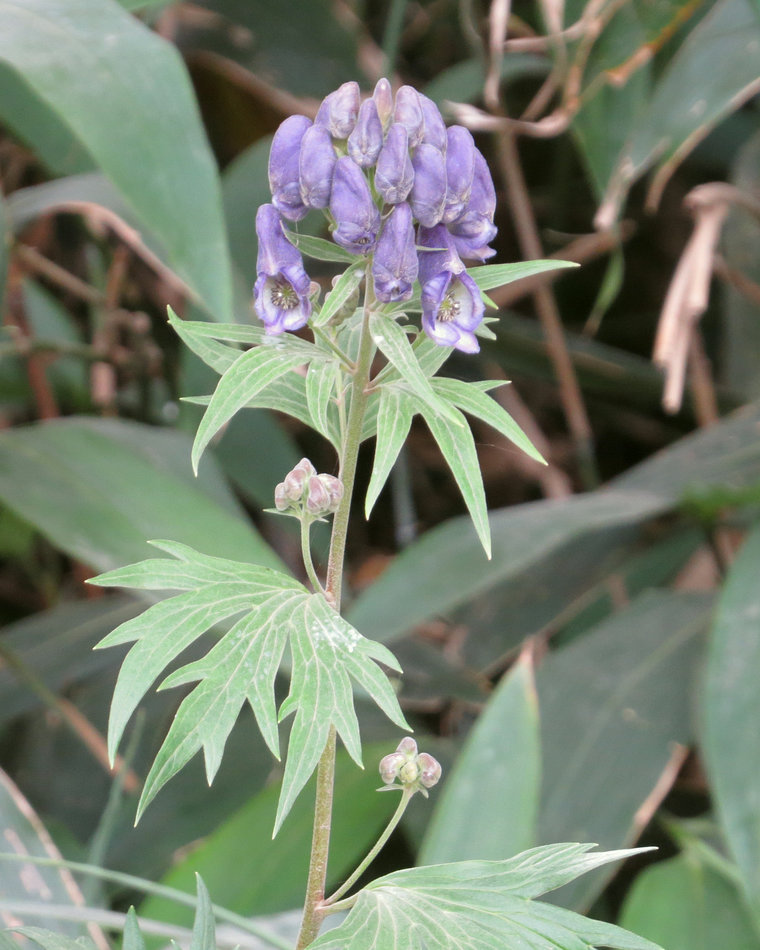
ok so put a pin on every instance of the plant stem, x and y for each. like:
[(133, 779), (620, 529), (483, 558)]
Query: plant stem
[(314, 910), (306, 555), (406, 797)]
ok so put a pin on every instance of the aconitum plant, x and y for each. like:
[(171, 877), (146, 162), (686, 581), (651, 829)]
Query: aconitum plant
[(406, 203)]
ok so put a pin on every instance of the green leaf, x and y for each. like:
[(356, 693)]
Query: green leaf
[(49, 940), (495, 783), (119, 114), (480, 905), (393, 342), (456, 442), (345, 288), (488, 276), (251, 372), (96, 488), (320, 249), (244, 842), (394, 419), (684, 905), (326, 653), (204, 935), (612, 705), (472, 400), (731, 712), (25, 834), (133, 939), (691, 97), (449, 569), (4, 247)]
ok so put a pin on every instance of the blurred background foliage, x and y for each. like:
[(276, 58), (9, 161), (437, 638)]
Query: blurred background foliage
[(598, 679)]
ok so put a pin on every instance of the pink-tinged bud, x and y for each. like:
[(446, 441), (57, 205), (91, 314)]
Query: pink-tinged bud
[(407, 747), (334, 487), (383, 96), (430, 770), (365, 142), (408, 112), (281, 499), (389, 767), (306, 467), (339, 110), (318, 499), (293, 485)]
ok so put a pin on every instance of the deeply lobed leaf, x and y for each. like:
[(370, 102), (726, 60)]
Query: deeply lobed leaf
[(274, 611)]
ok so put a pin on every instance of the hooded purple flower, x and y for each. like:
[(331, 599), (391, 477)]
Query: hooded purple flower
[(316, 164), (460, 163), (395, 264), (428, 195), (356, 216), (408, 111), (474, 228), (394, 174), (434, 127), (282, 286), (339, 110), (283, 167), (365, 142), (452, 306)]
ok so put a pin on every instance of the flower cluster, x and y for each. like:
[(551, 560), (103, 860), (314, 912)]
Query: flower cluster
[(304, 491), (398, 187), (408, 768)]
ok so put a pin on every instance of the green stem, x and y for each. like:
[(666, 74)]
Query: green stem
[(314, 910), (406, 797), (306, 554)]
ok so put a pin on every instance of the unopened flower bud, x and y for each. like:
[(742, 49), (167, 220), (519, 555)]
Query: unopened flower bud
[(357, 219), (365, 142), (390, 765), (293, 485), (409, 772), (318, 499), (383, 96), (407, 747), (334, 488), (460, 163), (395, 264), (434, 127), (428, 195), (316, 164), (281, 499), (339, 110), (283, 167), (408, 112), (430, 770), (394, 174)]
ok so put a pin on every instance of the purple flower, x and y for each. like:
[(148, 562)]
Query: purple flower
[(315, 166), (408, 112), (282, 286), (395, 264), (434, 127), (365, 142), (474, 228), (452, 307), (394, 174), (383, 96), (283, 167), (339, 110), (428, 195), (460, 163), (356, 216)]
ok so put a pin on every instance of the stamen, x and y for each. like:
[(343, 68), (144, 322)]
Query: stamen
[(449, 309), (283, 296)]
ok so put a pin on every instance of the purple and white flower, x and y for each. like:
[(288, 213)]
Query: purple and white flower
[(281, 291)]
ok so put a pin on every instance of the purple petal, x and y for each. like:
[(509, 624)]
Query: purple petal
[(283, 167), (395, 264), (316, 165), (434, 126), (383, 96), (394, 174), (339, 110), (408, 112), (460, 164), (351, 205), (365, 142), (428, 195), (282, 285)]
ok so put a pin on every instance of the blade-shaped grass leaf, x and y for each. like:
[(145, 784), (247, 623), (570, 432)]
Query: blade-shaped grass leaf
[(394, 419), (345, 287), (481, 905), (393, 342), (327, 654), (319, 248), (489, 276), (458, 448), (251, 372), (472, 400)]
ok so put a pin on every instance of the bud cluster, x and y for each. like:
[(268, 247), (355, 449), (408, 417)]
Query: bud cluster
[(304, 491), (410, 769), (398, 186)]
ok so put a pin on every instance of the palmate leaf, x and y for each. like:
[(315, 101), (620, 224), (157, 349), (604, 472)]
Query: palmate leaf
[(273, 611), (481, 905)]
